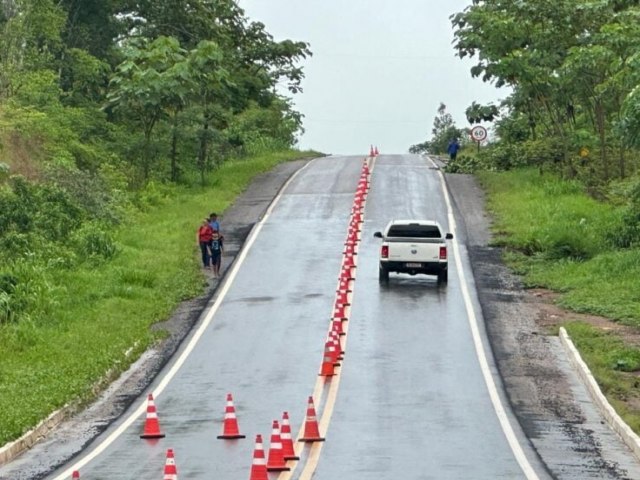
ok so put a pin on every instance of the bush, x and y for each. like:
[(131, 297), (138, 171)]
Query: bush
[(94, 242), (464, 164), (25, 293), (628, 234), (505, 156)]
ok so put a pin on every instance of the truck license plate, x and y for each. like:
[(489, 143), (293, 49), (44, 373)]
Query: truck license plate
[(413, 265)]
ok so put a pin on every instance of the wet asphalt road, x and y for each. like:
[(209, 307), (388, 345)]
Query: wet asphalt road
[(410, 400)]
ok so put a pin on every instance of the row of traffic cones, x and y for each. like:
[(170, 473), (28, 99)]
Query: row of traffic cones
[(333, 346), (373, 151), (281, 447), (281, 438)]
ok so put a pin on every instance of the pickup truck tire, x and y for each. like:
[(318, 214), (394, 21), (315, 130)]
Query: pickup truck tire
[(383, 275), (443, 276)]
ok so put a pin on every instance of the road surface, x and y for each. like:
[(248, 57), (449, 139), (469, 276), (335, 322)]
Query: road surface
[(417, 395)]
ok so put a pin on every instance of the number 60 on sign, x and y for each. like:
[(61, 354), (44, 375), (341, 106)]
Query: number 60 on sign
[(479, 133)]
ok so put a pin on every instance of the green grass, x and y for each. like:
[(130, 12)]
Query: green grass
[(557, 237), (102, 311), (611, 362)]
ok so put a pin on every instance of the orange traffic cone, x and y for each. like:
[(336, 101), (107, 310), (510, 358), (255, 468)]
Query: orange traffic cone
[(371, 151), (311, 429), (328, 363), (339, 313), (336, 325), (75, 475), (275, 462), (350, 249), (375, 151), (342, 298), (170, 470), (259, 465), (151, 425), (288, 451), (349, 261), (343, 286), (347, 274), (230, 429), (334, 336), (352, 239)]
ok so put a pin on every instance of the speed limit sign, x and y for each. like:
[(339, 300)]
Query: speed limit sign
[(479, 133)]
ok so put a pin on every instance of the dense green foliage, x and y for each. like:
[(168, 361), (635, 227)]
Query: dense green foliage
[(573, 68), (558, 237), (121, 123), (101, 102), (87, 321)]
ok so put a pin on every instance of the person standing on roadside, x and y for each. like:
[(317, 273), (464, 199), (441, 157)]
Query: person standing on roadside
[(453, 148), (203, 238), (216, 252), (214, 223)]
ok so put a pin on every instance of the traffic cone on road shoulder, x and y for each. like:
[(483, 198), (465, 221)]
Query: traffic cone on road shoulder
[(311, 429), (230, 430), (151, 424), (75, 475)]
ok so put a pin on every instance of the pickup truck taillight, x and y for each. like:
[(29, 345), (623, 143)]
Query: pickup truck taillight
[(443, 253), (384, 251)]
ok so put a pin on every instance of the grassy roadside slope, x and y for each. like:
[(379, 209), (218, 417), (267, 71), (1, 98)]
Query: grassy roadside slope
[(101, 316), (558, 238)]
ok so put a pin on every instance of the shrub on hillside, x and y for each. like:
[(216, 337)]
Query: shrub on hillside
[(464, 164), (94, 242), (628, 234)]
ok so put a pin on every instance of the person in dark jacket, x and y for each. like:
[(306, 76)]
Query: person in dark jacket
[(453, 148)]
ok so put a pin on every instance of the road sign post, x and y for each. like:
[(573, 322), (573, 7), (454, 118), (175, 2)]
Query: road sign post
[(478, 134)]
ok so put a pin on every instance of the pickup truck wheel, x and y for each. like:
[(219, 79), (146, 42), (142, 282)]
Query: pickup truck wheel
[(383, 275), (443, 276)]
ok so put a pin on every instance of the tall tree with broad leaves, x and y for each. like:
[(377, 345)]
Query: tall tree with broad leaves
[(149, 82)]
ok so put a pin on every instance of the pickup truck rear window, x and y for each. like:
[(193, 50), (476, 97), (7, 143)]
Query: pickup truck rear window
[(414, 231)]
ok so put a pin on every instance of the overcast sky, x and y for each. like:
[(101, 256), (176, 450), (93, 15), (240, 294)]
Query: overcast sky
[(379, 69)]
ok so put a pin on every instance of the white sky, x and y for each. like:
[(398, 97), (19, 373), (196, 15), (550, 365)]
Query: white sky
[(379, 69)]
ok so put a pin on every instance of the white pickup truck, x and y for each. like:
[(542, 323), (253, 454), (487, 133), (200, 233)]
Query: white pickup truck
[(413, 246)]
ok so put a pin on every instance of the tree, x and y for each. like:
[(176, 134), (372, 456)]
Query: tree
[(145, 85), (444, 130), (477, 113)]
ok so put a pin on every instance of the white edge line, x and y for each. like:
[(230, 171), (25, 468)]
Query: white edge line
[(192, 342), (614, 421), (510, 435)]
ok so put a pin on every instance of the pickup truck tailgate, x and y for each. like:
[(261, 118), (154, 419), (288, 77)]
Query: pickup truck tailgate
[(414, 251)]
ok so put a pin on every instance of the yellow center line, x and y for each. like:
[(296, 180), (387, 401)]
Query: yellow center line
[(312, 460)]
